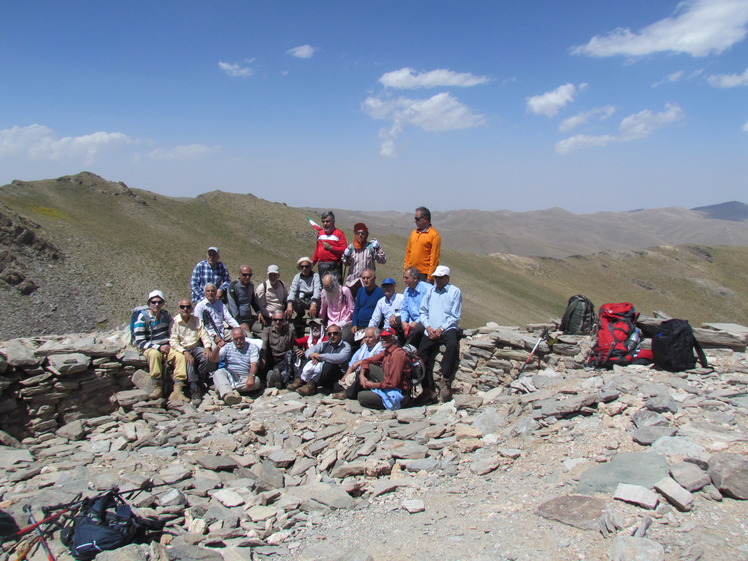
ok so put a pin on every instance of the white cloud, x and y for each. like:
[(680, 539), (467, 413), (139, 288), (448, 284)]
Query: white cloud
[(302, 51), (579, 119), (183, 152), (697, 27), (37, 142), (728, 80), (745, 126), (439, 113), (236, 70), (409, 79), (670, 78), (634, 127), (550, 103)]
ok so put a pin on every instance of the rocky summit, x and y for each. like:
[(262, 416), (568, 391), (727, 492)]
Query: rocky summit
[(560, 462)]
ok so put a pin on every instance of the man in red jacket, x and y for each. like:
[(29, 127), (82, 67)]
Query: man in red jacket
[(331, 244), (385, 377)]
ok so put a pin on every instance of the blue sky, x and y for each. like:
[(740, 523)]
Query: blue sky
[(520, 105)]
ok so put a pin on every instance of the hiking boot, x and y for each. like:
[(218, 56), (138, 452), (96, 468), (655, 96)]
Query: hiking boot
[(445, 391), (310, 388), (296, 384), (157, 393), (232, 398), (426, 397), (178, 393), (196, 398), (274, 379), (339, 395)]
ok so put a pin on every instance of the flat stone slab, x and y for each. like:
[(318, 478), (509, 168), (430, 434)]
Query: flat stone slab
[(636, 494), (648, 435), (690, 476), (676, 495), (325, 493), (635, 468), (729, 472), (11, 456), (679, 446), (628, 548), (69, 363), (578, 511)]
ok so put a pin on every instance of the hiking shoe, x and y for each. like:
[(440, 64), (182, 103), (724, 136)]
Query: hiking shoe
[(196, 398), (157, 393), (274, 379), (427, 397), (296, 384), (310, 388), (178, 393), (232, 398), (445, 393), (339, 395)]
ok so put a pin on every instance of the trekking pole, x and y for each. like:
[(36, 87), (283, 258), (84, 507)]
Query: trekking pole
[(208, 320), (543, 336), (38, 530)]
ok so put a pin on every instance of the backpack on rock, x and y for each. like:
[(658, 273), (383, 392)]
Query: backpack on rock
[(673, 345), (618, 338), (579, 317)]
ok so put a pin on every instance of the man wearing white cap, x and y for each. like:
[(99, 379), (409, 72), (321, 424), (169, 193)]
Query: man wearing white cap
[(210, 270), (151, 333), (271, 295), (441, 308)]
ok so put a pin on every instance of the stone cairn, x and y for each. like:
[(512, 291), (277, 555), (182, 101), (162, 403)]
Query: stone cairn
[(260, 474)]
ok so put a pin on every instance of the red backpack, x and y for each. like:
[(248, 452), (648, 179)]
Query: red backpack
[(617, 336)]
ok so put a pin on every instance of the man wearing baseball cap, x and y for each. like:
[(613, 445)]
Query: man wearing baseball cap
[(441, 309), (387, 311), (384, 378), (210, 270)]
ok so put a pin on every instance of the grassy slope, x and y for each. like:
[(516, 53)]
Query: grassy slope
[(136, 240)]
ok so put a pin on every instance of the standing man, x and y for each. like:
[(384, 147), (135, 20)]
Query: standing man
[(211, 311), (190, 350), (411, 328), (151, 334), (242, 361), (361, 254), (424, 246), (331, 244), (441, 309), (242, 302), (271, 295), (210, 270)]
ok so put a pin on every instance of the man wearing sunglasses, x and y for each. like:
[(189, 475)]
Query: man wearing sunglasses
[(151, 334), (332, 354), (190, 350), (424, 245), (242, 302)]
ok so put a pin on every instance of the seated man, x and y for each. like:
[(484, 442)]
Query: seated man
[(304, 295), (385, 377), (411, 328), (348, 384), (387, 311), (276, 359), (242, 302), (210, 270), (337, 305), (151, 334), (271, 295), (325, 365), (441, 309), (190, 349), (211, 311), (240, 374), (366, 300)]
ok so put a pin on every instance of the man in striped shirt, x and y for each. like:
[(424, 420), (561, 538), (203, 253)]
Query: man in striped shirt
[(151, 333)]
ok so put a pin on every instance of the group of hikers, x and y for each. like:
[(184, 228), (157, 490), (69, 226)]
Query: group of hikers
[(341, 332)]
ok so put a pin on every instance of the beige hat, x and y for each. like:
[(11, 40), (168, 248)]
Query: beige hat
[(303, 260)]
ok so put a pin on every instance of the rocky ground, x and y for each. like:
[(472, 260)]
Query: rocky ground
[(531, 470)]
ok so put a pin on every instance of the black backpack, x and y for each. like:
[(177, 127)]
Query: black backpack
[(673, 345), (579, 317), (106, 522), (417, 370)]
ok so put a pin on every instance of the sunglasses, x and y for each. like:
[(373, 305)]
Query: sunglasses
[(185, 307), (156, 302), (246, 274), (333, 333), (306, 267)]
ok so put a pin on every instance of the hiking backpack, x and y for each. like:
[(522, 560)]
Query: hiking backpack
[(106, 522), (417, 370), (617, 336), (134, 316), (673, 345), (579, 317)]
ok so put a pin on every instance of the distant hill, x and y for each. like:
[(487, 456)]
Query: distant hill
[(78, 252), (734, 211)]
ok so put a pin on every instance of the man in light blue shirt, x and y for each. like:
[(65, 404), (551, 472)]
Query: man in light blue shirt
[(411, 329), (441, 309), (387, 311)]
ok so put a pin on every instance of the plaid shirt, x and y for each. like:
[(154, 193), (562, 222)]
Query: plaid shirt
[(203, 274)]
